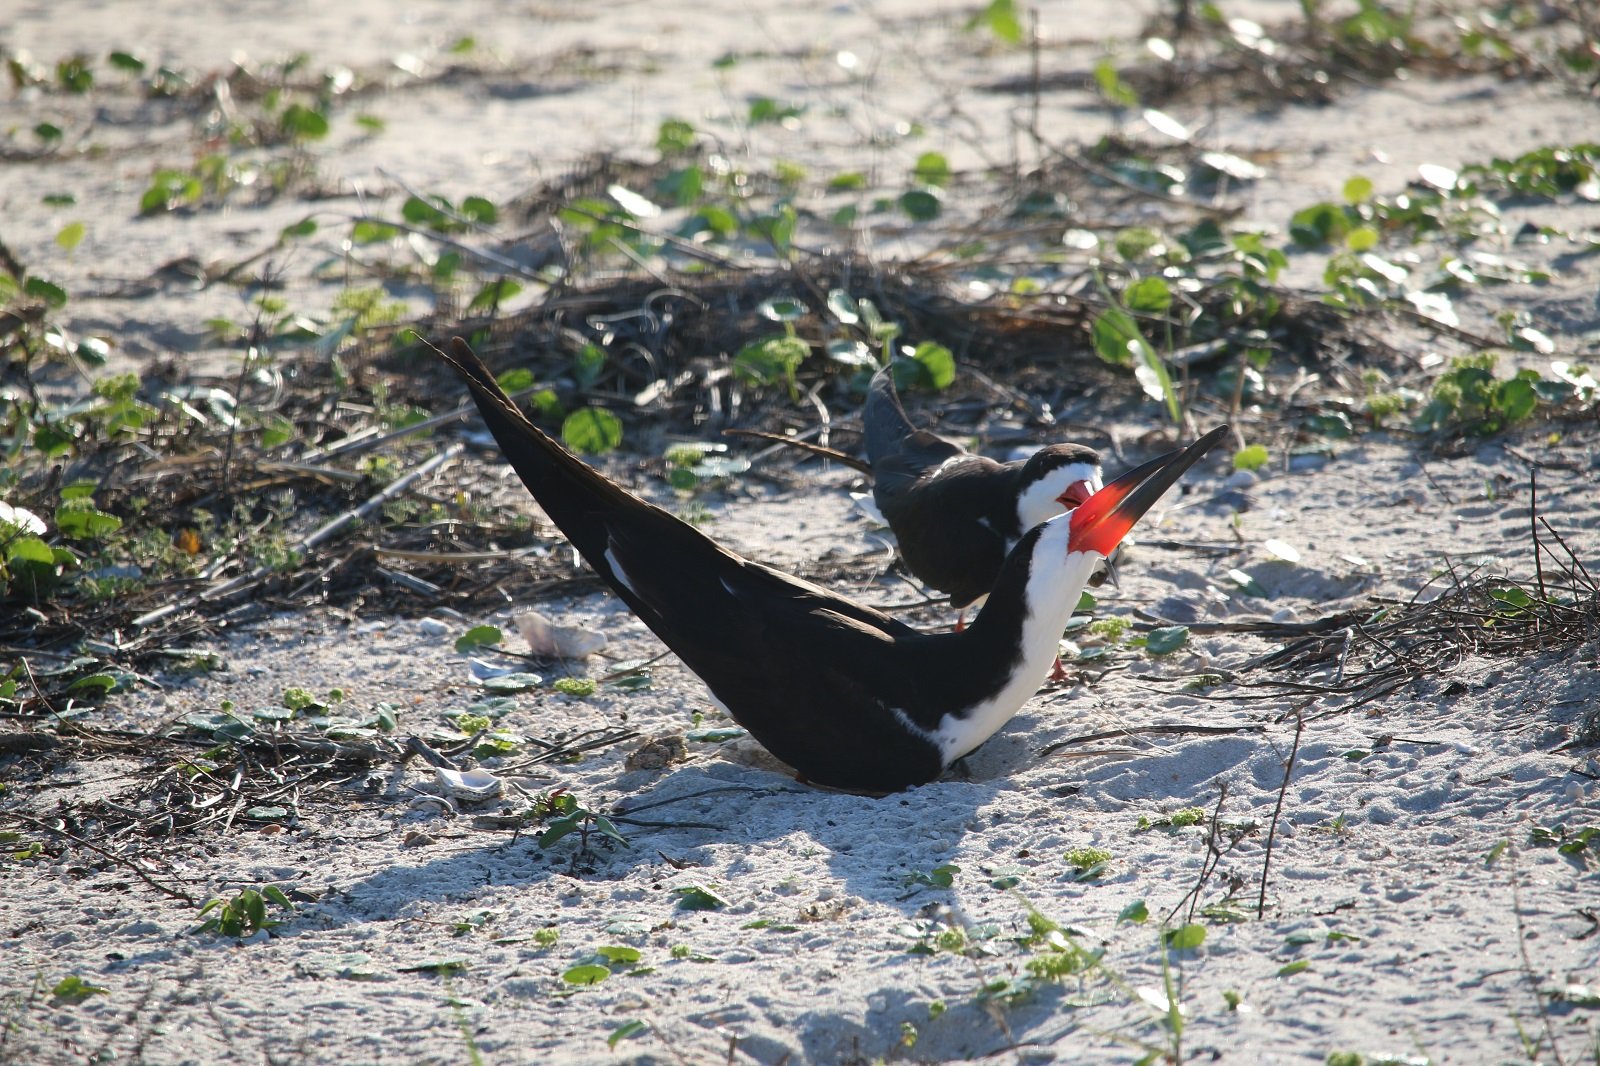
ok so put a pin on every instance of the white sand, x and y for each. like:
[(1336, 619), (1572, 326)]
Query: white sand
[(1440, 955)]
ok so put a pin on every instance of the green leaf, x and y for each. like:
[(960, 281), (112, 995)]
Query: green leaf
[(625, 1031), (1250, 457), (1113, 331), (1112, 86), (999, 18), (305, 123), (852, 353), (922, 205), (99, 683), (52, 294), (442, 967), (71, 235), (1247, 584), (80, 520), (766, 109), (1515, 399), (368, 232), (577, 687), (516, 379), (1150, 295), (1186, 936), (1135, 912), (618, 953), (1335, 424), (30, 550), (480, 210), (592, 430), (126, 62), (519, 682), (1357, 190), (1290, 969), (771, 359), (1151, 371), (1086, 603), (304, 228), (843, 307), (588, 973), (75, 75), (1361, 239), (479, 637), (75, 989), (674, 137), (1319, 224), (782, 309), (494, 294), (1166, 639), (434, 215), (932, 168), (588, 362), (938, 361), (698, 898)]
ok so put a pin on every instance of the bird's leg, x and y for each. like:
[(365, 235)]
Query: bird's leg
[(961, 619), (1059, 672)]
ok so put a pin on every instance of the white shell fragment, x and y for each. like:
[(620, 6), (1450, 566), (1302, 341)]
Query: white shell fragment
[(469, 786), (1283, 550), (553, 641)]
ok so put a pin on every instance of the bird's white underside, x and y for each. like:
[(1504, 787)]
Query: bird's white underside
[(1055, 582)]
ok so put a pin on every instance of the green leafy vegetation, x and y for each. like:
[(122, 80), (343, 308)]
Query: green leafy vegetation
[(245, 913)]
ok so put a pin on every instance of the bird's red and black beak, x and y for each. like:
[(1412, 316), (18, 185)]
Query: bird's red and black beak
[(1101, 521)]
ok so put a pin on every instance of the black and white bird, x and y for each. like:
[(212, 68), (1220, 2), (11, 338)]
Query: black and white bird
[(955, 514), (846, 695)]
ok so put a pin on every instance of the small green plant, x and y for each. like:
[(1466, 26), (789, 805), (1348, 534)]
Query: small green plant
[(74, 989), (1251, 457), (1109, 630), (564, 815), (1088, 863), (693, 467), (939, 877), (604, 962), (699, 898), (1468, 397), (1582, 844), (576, 687), (244, 914), (1182, 818), (479, 637)]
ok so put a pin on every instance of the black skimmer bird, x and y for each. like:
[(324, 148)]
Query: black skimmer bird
[(956, 515), (846, 695)]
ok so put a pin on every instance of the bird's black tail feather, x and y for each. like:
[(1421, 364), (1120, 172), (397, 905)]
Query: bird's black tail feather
[(576, 498)]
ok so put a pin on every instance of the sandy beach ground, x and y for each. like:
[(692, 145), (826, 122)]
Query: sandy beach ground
[(1367, 877)]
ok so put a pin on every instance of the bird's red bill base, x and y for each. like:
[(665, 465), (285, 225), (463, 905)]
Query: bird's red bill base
[(1101, 521)]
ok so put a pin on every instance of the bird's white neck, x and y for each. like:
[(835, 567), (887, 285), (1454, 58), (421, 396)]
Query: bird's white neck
[(1056, 578)]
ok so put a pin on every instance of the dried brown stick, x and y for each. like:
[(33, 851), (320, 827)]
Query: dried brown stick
[(1157, 730), (846, 458), (143, 875), (1277, 810)]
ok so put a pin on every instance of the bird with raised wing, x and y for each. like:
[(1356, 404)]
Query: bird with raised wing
[(848, 696), (956, 514)]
